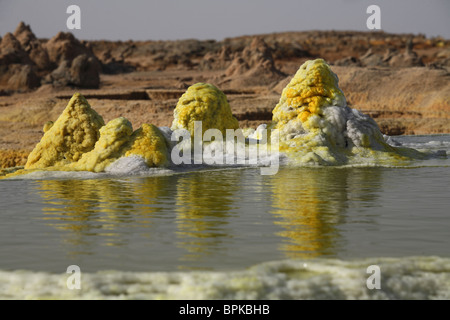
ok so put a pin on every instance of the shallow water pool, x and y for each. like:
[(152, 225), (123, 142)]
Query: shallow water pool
[(228, 220)]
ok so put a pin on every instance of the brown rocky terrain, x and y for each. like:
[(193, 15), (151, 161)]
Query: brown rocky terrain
[(401, 80)]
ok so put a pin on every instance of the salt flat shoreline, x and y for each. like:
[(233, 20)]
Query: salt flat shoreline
[(410, 278)]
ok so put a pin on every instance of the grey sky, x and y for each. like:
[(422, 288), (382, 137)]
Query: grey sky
[(213, 19)]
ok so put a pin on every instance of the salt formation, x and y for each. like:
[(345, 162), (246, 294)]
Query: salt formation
[(312, 124), (315, 125), (80, 141), (204, 102)]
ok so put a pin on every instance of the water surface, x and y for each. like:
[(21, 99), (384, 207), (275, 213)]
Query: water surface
[(230, 219)]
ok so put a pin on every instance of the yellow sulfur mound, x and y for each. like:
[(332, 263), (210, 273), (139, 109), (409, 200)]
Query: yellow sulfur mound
[(80, 141), (149, 143), (108, 148), (204, 102), (313, 87), (316, 126), (65, 141), (117, 139)]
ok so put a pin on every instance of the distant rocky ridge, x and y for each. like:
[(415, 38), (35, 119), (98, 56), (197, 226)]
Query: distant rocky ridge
[(27, 62), (340, 47)]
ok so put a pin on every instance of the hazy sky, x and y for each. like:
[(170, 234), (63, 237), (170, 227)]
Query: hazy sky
[(213, 19)]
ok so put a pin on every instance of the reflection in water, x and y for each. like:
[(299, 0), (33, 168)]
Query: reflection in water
[(311, 202), (89, 208), (204, 202), (111, 210), (193, 218)]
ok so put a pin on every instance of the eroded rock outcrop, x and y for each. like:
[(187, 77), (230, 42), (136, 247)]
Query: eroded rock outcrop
[(77, 65), (32, 46), (254, 66), (17, 70), (61, 61)]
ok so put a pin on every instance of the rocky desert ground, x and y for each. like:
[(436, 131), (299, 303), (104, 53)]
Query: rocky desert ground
[(401, 80)]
